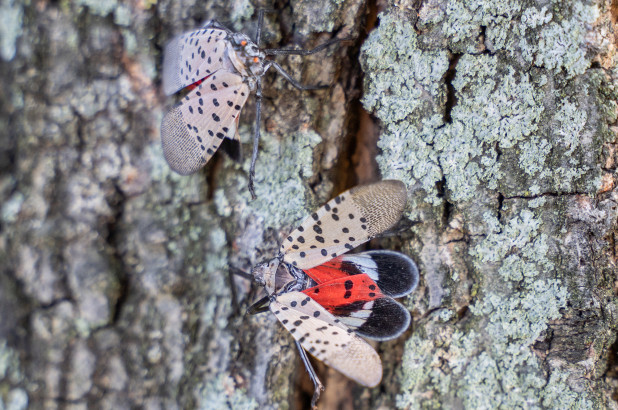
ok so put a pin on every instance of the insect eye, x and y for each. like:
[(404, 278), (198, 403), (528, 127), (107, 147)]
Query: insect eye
[(256, 59), (243, 43)]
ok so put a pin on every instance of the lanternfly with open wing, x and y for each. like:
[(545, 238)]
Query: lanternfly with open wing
[(327, 300)]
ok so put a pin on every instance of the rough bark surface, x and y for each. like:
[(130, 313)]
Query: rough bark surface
[(500, 117)]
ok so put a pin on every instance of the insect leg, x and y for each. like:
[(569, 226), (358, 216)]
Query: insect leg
[(239, 272), (295, 83), (319, 387), (231, 272), (256, 136)]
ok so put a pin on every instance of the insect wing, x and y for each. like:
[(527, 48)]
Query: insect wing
[(346, 221), (344, 292), (357, 301), (395, 273), (326, 338), (192, 56), (193, 129)]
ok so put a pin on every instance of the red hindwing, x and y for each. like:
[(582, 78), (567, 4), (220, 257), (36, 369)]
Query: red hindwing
[(358, 290), (343, 293), (333, 269)]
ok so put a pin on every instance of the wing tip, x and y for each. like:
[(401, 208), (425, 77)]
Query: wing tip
[(373, 382), (399, 191), (389, 320), (179, 148), (395, 183), (382, 203), (372, 371), (398, 266)]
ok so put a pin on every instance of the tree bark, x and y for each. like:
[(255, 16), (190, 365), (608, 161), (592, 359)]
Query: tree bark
[(115, 289)]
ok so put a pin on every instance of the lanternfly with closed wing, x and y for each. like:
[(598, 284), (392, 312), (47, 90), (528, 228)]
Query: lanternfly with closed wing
[(220, 68), (325, 299), (216, 64)]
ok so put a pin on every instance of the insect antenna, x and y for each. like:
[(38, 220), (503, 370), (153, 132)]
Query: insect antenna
[(238, 272), (291, 51), (260, 24)]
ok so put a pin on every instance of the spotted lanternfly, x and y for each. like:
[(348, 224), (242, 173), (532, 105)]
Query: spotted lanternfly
[(325, 299), (219, 68)]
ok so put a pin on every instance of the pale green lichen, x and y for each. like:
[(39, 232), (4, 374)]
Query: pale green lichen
[(9, 363), (409, 155), (122, 15), (400, 73), (561, 45), (211, 312), (10, 209), (497, 369), (16, 399), (222, 393), (405, 73), (498, 108), (462, 21), (218, 246), (402, 81), (11, 398), (98, 7), (518, 320), (11, 14), (502, 238), (241, 11), (571, 134), (282, 168), (417, 371), (171, 187), (554, 395), (555, 45), (130, 42), (316, 17)]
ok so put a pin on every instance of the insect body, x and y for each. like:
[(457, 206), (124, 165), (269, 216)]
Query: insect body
[(220, 68), (326, 299)]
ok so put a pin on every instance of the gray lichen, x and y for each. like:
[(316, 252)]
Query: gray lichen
[(221, 393), (282, 168), (11, 397), (11, 15), (518, 127), (100, 8)]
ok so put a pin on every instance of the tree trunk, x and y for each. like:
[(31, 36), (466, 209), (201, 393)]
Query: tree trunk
[(500, 117)]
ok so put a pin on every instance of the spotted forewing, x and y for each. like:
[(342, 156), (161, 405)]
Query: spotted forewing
[(192, 130), (326, 338), (345, 222), (192, 56)]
